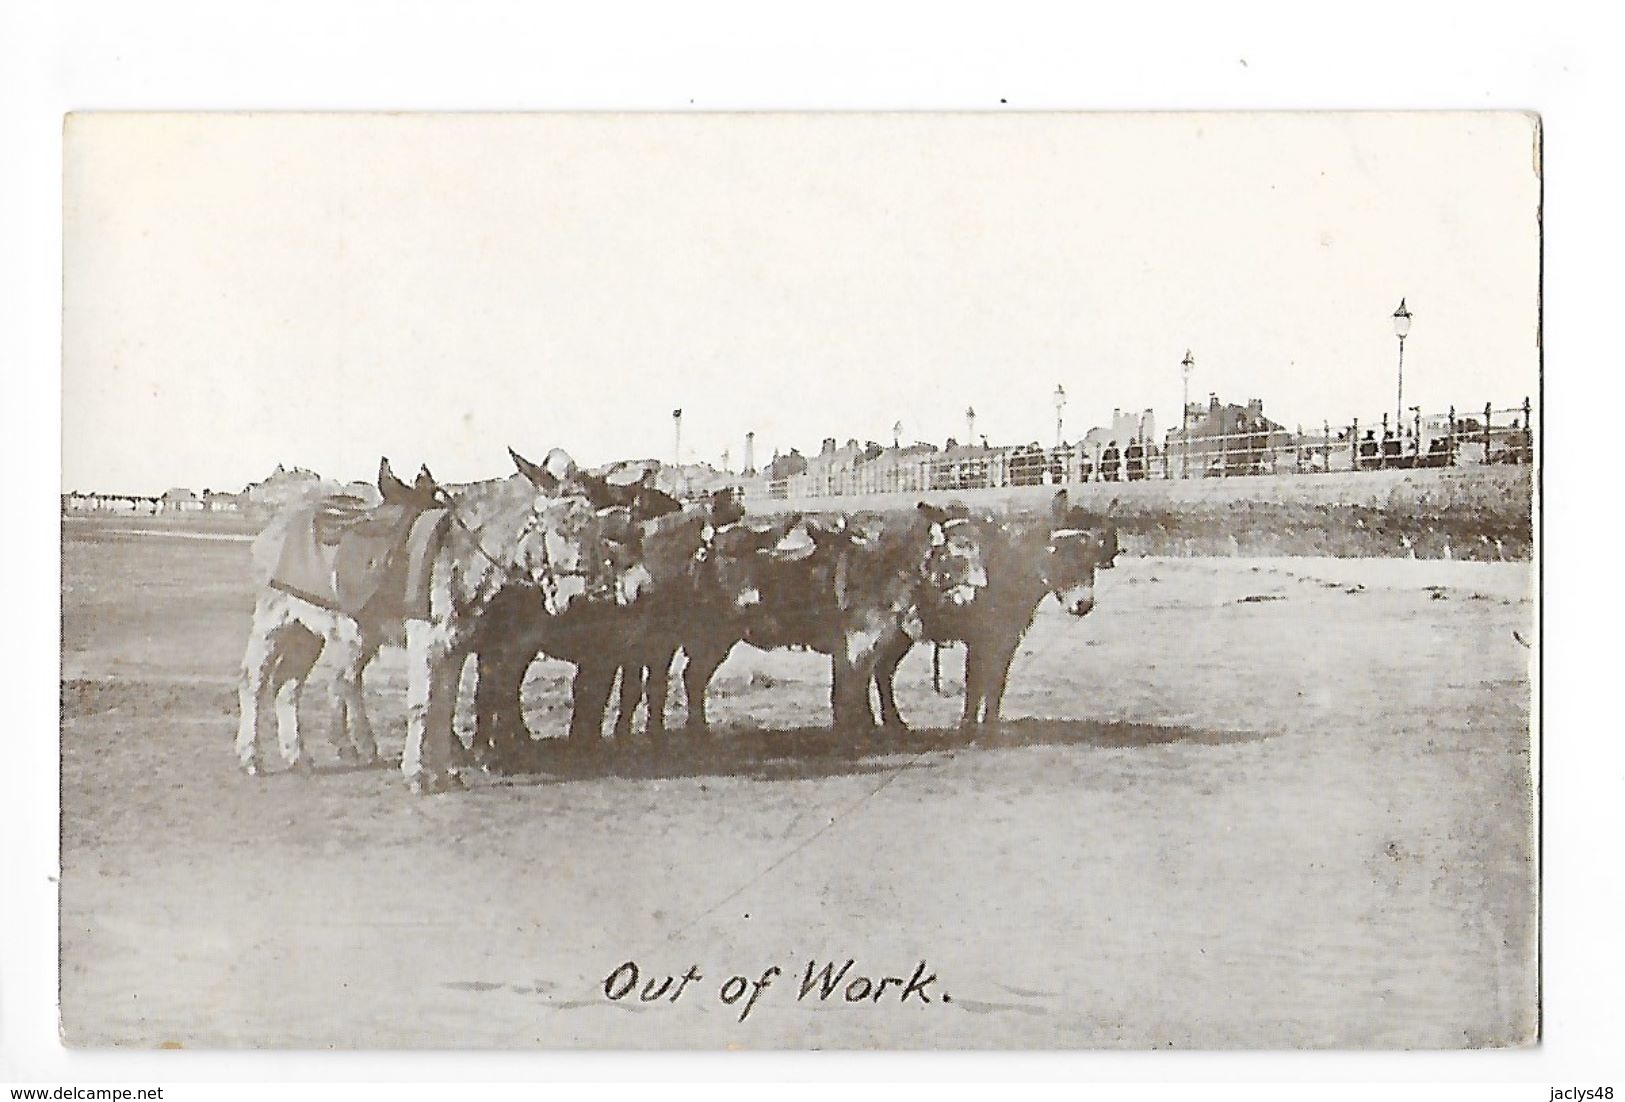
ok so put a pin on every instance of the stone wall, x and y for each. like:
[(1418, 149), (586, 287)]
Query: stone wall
[(1480, 512)]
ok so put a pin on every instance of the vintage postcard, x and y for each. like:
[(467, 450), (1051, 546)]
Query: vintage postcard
[(800, 581)]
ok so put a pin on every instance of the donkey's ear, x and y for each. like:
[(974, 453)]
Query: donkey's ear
[(391, 487), (933, 513), (539, 476), (1058, 505), (596, 489), (725, 508)]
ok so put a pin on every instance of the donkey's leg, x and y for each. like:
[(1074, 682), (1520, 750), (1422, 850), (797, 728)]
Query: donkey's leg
[(589, 700), (975, 684), (348, 649), (487, 711), (998, 676), (891, 653), (254, 691), (352, 734), (631, 697), (298, 651), (702, 656), (656, 688), (461, 756), (849, 692), (431, 689)]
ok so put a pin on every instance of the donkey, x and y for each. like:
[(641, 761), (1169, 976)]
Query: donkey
[(835, 587), (699, 575), (535, 530), (990, 606)]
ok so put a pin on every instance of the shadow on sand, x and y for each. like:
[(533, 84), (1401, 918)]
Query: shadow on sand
[(813, 752)]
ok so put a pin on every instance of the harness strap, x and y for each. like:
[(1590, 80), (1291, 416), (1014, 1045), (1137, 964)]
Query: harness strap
[(446, 500)]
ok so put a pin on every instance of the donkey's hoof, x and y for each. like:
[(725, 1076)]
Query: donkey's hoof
[(429, 784), (360, 759), (251, 767), (301, 766)]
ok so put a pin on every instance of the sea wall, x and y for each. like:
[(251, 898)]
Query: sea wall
[(1482, 512)]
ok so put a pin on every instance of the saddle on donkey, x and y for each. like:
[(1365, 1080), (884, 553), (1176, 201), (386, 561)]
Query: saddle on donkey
[(365, 561)]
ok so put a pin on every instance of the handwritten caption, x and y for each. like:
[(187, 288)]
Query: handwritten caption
[(826, 981)]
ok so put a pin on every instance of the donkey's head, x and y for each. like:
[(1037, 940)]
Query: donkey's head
[(571, 549), (1079, 544), (730, 562)]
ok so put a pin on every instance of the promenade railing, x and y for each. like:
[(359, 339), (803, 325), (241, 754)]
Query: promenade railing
[(1487, 435)]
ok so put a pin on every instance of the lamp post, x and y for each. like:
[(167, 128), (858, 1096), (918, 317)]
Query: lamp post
[(1060, 410), (1402, 327), (1186, 366), (970, 425), (676, 438)]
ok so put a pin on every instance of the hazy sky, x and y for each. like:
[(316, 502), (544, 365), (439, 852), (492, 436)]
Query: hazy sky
[(244, 290)]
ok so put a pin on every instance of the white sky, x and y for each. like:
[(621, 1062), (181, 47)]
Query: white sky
[(318, 290)]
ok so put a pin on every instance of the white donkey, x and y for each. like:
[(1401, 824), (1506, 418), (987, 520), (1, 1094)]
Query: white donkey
[(535, 530)]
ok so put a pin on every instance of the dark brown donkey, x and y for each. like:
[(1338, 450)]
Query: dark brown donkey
[(1025, 560)]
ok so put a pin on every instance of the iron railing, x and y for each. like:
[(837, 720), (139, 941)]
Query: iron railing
[(1452, 439)]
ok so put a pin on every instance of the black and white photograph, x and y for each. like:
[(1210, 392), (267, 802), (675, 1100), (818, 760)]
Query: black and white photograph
[(789, 581)]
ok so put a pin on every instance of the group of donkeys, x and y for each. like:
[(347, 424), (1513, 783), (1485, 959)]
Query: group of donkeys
[(617, 579)]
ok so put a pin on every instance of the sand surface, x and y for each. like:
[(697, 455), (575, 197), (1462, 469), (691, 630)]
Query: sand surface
[(1246, 802)]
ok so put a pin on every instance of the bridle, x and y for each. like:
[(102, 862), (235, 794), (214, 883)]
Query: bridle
[(448, 503), (940, 544), (708, 543), (1063, 534), (512, 571)]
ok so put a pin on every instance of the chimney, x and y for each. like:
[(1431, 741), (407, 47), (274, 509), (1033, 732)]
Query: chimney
[(1255, 407), (1212, 402), (750, 453)]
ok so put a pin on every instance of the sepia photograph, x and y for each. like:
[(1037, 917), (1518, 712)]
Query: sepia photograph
[(790, 581)]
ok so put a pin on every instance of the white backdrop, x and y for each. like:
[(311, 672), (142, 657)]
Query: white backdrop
[(480, 56)]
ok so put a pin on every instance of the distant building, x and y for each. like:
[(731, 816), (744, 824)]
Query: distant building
[(1124, 427), (786, 466), (214, 501), (1227, 439), (179, 499)]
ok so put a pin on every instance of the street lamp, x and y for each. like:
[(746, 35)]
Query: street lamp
[(1187, 365), (970, 425), (1060, 408), (1402, 327), (676, 437)]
